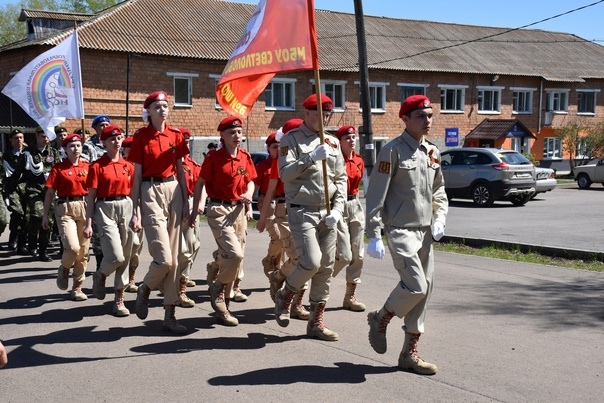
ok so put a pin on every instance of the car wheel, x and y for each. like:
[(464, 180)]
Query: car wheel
[(583, 181), (520, 200), (482, 195)]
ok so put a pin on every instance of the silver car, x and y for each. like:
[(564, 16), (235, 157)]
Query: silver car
[(546, 180), (484, 175)]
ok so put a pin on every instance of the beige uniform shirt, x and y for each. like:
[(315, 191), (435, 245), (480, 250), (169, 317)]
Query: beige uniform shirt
[(303, 178), (406, 188)]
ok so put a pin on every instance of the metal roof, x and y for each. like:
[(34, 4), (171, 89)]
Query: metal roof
[(493, 129), (209, 29), (53, 15)]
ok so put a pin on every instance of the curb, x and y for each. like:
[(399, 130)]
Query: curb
[(551, 251)]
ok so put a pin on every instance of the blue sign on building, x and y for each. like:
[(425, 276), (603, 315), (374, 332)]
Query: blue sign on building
[(452, 137)]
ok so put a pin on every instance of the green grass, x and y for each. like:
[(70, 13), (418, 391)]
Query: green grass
[(518, 256)]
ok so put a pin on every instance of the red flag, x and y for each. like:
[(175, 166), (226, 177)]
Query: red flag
[(280, 37)]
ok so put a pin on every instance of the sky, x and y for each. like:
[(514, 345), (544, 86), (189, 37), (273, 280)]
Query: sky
[(585, 23)]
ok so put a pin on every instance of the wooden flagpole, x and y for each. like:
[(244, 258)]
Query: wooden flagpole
[(322, 138)]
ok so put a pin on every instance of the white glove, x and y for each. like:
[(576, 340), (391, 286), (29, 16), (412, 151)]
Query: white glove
[(319, 153), (375, 249), (332, 219), (438, 230)]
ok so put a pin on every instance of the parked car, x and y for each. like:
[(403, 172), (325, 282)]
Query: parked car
[(484, 175), (546, 180), (592, 172)]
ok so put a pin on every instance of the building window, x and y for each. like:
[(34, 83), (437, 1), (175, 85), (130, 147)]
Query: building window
[(586, 102), (280, 94), (552, 148), (522, 100), (452, 98), (334, 90), (489, 99), (216, 78), (408, 90), (183, 88), (377, 95), (556, 100)]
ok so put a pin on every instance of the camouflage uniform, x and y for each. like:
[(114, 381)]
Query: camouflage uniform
[(92, 150), (14, 195), (37, 168), (3, 212)]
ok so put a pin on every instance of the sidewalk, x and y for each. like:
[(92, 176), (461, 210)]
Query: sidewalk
[(498, 330)]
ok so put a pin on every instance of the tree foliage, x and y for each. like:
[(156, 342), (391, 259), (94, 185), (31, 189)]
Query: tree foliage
[(13, 30), (581, 140)]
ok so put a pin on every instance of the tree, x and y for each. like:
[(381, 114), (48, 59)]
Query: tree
[(13, 30), (582, 141)]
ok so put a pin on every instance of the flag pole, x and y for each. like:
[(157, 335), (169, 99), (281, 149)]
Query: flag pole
[(75, 28), (322, 138)]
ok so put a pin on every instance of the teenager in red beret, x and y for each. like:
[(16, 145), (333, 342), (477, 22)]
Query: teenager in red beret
[(301, 156), (351, 228), (227, 176), (406, 196), (67, 180), (137, 237), (160, 190), (109, 185)]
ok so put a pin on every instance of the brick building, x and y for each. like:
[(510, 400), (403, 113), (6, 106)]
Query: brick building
[(471, 73)]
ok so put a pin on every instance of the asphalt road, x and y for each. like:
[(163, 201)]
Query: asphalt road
[(498, 330)]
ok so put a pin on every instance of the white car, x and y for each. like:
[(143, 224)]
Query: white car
[(592, 172), (546, 180)]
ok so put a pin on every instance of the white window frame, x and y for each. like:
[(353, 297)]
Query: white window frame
[(216, 78), (403, 86), (557, 96), (552, 148), (594, 92), (292, 82), (496, 99), (341, 84), (373, 86), (188, 77), (527, 93), (447, 87)]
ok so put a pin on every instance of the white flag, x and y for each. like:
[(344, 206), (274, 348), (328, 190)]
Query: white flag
[(49, 88)]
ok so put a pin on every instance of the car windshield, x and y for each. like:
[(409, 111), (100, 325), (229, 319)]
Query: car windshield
[(514, 158)]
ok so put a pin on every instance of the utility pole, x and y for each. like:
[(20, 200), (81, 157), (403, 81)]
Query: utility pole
[(365, 131)]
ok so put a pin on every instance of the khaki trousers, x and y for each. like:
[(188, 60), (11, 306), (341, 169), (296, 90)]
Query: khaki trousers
[(316, 248), (189, 247), (116, 237), (229, 227), (71, 221), (413, 258), (350, 248), (274, 255), (161, 211)]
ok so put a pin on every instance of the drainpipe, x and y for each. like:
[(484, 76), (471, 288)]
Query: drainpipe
[(540, 104)]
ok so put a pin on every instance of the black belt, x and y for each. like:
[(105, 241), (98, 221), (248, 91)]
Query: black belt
[(70, 198), (153, 179), (111, 198), (225, 202), (279, 201), (352, 197)]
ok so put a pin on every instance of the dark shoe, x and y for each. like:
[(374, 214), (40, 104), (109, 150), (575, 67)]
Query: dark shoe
[(22, 250), (44, 257), (32, 252)]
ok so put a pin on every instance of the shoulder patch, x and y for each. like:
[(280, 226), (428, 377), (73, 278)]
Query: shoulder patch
[(283, 151), (384, 167)]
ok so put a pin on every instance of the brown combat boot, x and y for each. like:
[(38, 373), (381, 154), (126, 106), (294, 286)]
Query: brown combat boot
[(298, 311), (119, 309), (409, 358), (142, 301), (63, 278), (170, 322), (316, 327), (226, 318), (238, 296), (217, 297), (283, 301), (76, 291), (131, 286), (350, 299), (98, 285), (378, 322), (276, 280), (183, 300)]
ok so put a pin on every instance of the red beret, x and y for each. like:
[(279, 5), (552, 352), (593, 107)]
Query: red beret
[(228, 122), (155, 96), (412, 103), (272, 138), (344, 130), (127, 142), (311, 103), (110, 131), (70, 138), (291, 124), (186, 133)]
